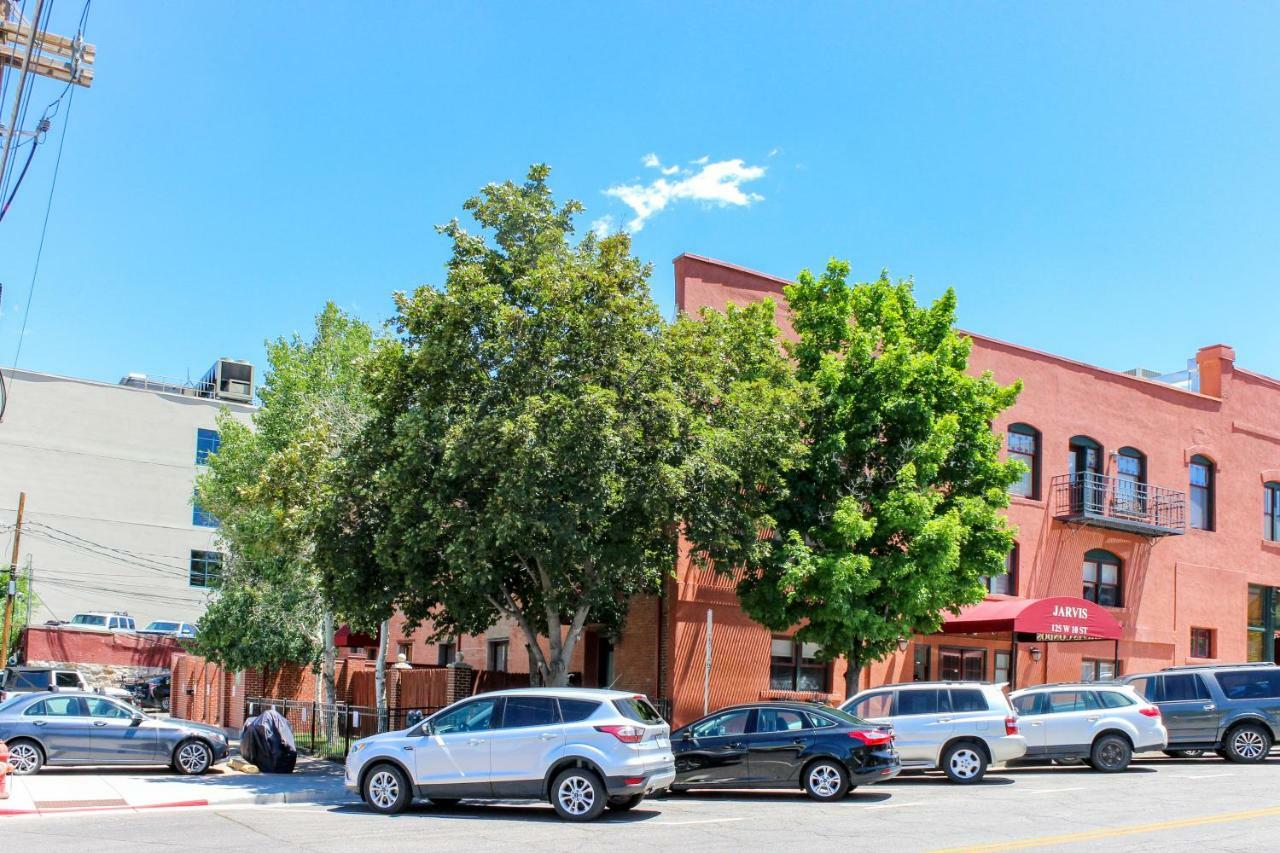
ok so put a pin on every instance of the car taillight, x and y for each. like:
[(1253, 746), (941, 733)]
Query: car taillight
[(1011, 725), (872, 738), (1149, 711), (626, 734)]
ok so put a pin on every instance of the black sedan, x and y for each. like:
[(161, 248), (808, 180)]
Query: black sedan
[(823, 751)]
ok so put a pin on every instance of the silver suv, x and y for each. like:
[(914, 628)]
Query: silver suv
[(958, 727), (583, 750), (1101, 724)]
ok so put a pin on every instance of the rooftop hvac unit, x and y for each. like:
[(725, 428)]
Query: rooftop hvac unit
[(229, 380)]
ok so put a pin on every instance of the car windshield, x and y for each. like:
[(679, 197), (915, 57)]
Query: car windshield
[(163, 626), (88, 619), (845, 717)]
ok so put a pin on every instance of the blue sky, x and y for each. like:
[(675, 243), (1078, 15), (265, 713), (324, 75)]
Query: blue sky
[(1095, 181)]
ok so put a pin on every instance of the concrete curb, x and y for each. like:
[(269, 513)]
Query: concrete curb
[(314, 798)]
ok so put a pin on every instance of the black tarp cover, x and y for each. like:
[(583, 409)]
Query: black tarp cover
[(267, 741)]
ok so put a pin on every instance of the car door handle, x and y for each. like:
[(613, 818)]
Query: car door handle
[(1210, 707), (945, 720), (737, 745), (475, 741), (407, 748), (97, 724), (39, 723), (547, 736)]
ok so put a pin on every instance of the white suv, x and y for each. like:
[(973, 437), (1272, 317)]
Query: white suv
[(584, 750), (959, 727), (1103, 724)]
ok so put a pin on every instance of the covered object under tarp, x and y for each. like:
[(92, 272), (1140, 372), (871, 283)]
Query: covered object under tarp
[(267, 742)]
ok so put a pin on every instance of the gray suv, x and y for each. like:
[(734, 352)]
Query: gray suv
[(1233, 710)]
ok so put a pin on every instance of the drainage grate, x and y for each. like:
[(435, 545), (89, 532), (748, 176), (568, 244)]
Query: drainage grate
[(77, 804)]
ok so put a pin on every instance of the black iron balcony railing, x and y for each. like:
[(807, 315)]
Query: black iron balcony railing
[(1119, 504)]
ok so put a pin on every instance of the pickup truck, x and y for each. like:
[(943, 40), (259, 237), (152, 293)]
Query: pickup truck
[(36, 679)]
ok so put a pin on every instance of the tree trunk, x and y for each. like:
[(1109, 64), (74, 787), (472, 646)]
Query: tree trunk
[(380, 676), (852, 672), (329, 678)]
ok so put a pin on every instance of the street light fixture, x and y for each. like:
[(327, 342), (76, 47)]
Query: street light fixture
[(1035, 653), (902, 644)]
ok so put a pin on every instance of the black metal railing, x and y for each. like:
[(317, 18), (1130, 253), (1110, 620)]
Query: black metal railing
[(1119, 504)]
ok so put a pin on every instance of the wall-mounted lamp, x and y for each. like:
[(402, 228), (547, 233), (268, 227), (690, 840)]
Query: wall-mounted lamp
[(1035, 653), (902, 644)]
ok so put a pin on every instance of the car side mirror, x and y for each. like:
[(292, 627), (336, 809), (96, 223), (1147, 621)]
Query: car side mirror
[(687, 736), (425, 730), (138, 718)]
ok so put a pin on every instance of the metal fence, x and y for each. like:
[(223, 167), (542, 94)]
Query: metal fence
[(328, 729)]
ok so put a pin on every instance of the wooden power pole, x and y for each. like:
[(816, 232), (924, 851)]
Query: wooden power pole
[(11, 588), (33, 50)]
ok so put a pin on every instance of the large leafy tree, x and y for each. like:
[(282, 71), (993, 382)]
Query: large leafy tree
[(267, 486), (897, 513), (540, 431)]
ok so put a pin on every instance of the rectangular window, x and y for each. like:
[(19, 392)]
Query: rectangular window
[(963, 664), (498, 655), (1022, 448), (207, 441), (206, 569), (1271, 512), (200, 517), (1000, 675), (921, 669), (1183, 688), (1201, 642), (1098, 670), (1201, 496), (1007, 583), (795, 666), (445, 653), (1102, 582), (405, 649)]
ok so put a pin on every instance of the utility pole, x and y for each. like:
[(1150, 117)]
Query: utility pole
[(36, 51), (12, 591)]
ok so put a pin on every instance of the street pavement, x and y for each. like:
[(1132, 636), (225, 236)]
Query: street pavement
[(1160, 804)]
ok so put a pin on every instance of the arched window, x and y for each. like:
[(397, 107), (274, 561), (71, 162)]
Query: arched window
[(1084, 465), (1024, 446), (1007, 583), (1131, 479), (1102, 578), (1271, 512), (1201, 493)]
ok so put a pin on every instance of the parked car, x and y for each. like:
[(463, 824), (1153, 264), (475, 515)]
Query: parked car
[(960, 728), (151, 692), (1232, 709), (42, 679), (584, 750), (822, 751), (170, 628), (114, 622), (1101, 724), (61, 729)]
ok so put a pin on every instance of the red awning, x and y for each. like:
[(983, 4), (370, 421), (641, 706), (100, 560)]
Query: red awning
[(1044, 619), (345, 638)]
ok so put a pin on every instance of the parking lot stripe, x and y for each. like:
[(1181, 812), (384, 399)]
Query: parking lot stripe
[(692, 822), (1115, 832)]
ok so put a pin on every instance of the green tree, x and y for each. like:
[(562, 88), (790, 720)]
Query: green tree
[(897, 513), (23, 602), (540, 432), (267, 485)]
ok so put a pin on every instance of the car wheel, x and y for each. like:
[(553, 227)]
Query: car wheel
[(25, 757), (192, 758), (578, 794), (386, 790), (1184, 753), (826, 780), (1110, 754), (964, 763), (1248, 745), (625, 804)]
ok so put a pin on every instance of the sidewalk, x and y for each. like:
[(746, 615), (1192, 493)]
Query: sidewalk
[(59, 790)]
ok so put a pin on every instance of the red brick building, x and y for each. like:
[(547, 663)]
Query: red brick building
[(1152, 506)]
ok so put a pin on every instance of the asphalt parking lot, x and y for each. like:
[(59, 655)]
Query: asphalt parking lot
[(1159, 804)]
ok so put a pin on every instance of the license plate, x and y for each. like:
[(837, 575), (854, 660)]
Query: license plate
[(664, 742)]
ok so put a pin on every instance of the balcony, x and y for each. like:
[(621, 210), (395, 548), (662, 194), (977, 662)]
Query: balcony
[(1118, 504)]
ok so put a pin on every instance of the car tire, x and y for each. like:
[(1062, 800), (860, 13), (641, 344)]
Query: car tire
[(825, 780), (578, 794), (625, 804), (1110, 754), (386, 790), (1184, 753), (1248, 744), (192, 757), (965, 763), (25, 757)]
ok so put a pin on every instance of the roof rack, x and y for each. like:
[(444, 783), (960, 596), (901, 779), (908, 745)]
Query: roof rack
[(1258, 663), (1102, 682)]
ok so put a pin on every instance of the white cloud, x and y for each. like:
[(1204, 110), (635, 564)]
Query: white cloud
[(602, 226), (774, 152), (718, 184)]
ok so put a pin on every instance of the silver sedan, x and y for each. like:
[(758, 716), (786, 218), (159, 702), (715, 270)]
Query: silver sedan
[(68, 729)]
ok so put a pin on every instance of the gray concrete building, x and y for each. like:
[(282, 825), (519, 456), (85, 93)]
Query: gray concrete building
[(109, 474)]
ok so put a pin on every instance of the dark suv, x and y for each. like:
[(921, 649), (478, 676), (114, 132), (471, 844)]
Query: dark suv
[(1233, 710)]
